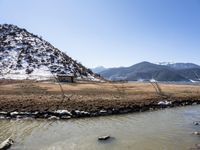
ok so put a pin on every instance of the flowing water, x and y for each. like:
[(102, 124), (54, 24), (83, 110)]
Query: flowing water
[(168, 129)]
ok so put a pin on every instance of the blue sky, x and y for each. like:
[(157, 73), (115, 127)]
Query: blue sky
[(112, 32)]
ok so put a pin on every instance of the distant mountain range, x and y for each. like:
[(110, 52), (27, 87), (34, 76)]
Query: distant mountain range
[(98, 69), (176, 72)]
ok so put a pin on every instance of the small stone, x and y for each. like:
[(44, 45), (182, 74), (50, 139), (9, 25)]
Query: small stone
[(196, 147), (195, 103), (196, 133), (196, 123), (103, 138)]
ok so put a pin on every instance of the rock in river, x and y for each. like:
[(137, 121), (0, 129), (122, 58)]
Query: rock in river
[(103, 138), (196, 123), (196, 133), (6, 144), (196, 147)]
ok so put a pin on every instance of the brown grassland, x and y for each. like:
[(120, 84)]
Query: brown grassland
[(47, 96)]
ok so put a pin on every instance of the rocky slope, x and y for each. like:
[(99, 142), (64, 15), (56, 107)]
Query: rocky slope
[(24, 55)]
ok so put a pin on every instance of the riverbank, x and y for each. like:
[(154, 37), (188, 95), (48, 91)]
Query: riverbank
[(45, 100)]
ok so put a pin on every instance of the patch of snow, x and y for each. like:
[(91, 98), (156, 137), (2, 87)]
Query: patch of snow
[(3, 113), (165, 63), (81, 112), (194, 81), (103, 111), (63, 112), (164, 103), (153, 80), (53, 118), (14, 113)]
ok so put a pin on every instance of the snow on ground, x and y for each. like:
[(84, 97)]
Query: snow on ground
[(164, 103), (27, 56), (153, 80)]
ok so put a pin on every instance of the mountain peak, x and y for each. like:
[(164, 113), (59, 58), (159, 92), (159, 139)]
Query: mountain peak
[(24, 55), (148, 71), (144, 62)]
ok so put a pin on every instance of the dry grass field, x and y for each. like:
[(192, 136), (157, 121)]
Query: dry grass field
[(47, 96)]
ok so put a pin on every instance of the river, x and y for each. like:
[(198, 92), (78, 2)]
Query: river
[(167, 129)]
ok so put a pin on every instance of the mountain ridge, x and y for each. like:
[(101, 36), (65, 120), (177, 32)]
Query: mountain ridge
[(98, 69), (24, 55), (177, 72)]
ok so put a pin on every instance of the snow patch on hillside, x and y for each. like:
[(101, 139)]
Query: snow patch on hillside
[(27, 56)]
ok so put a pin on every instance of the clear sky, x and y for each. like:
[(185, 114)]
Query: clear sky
[(112, 32)]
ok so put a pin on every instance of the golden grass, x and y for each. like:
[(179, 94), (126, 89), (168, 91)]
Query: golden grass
[(89, 96)]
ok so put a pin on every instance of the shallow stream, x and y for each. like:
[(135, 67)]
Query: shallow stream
[(168, 129)]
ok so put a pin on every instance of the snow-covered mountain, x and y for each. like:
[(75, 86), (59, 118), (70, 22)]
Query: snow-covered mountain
[(183, 66), (24, 55), (164, 63), (179, 66)]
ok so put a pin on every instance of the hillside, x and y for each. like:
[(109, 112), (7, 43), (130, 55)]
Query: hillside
[(146, 71), (24, 55), (180, 66)]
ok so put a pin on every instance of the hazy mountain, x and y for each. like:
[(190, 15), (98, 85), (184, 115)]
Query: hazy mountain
[(148, 71), (98, 69), (25, 55), (183, 66), (193, 74)]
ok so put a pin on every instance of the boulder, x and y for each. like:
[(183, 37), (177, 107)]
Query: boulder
[(6, 144)]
